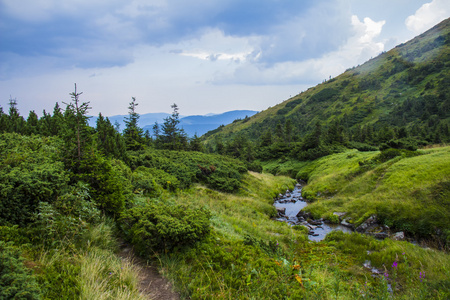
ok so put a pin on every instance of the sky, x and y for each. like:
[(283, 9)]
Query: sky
[(206, 56)]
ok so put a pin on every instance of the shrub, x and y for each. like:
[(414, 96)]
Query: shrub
[(158, 226), (361, 146), (149, 180), (407, 144), (66, 220), (16, 282), (255, 166), (29, 174)]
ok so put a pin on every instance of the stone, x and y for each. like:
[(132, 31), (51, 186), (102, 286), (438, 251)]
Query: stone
[(281, 210), (371, 221), (399, 236), (315, 222), (304, 215), (380, 235), (339, 214), (347, 224)]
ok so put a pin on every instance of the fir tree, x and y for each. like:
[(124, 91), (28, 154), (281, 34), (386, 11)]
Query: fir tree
[(132, 133), (173, 137)]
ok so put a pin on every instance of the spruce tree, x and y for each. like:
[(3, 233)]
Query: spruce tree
[(132, 133), (77, 135), (173, 137)]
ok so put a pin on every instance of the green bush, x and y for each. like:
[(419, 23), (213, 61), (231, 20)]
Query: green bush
[(216, 171), (109, 186), (150, 179), (158, 226), (29, 173), (405, 143), (361, 146), (16, 282), (66, 220)]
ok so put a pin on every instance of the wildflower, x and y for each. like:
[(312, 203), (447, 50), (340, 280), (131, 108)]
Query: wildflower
[(394, 265), (386, 275), (421, 276)]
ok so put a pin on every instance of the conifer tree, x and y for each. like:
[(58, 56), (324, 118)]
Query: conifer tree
[(32, 125), (173, 138), (16, 122), (3, 121), (77, 134), (195, 144), (132, 133)]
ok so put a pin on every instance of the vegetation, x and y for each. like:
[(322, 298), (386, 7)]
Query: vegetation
[(408, 191), (70, 192), (398, 100)]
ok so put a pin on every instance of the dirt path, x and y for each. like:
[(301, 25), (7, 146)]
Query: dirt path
[(152, 283)]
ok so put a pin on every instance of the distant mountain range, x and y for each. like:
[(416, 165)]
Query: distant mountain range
[(197, 124)]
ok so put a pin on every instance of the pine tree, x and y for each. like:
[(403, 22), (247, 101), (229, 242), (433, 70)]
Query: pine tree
[(132, 133), (16, 122), (77, 135), (195, 144), (173, 138), (4, 121), (32, 125)]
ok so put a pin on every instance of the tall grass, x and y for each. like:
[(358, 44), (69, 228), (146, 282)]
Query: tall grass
[(88, 270)]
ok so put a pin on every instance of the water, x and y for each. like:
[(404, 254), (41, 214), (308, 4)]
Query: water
[(293, 202)]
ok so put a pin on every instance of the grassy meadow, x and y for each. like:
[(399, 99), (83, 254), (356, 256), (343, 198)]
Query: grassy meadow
[(249, 256)]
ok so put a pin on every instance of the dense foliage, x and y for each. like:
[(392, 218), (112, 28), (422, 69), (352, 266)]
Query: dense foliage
[(158, 226), (16, 281)]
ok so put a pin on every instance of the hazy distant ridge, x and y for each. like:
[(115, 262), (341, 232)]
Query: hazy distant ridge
[(195, 124)]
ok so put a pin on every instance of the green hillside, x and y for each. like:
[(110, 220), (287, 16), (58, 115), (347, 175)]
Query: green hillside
[(403, 94)]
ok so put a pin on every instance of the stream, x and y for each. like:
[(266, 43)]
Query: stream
[(290, 205)]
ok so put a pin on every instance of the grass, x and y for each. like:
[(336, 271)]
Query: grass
[(250, 256), (407, 192), (92, 271)]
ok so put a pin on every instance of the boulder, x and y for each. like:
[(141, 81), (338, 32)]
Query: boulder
[(315, 222), (281, 210), (347, 224), (370, 222), (380, 235), (304, 215), (399, 236), (339, 214)]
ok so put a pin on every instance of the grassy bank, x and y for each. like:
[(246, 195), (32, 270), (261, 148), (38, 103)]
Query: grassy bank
[(249, 256), (408, 191)]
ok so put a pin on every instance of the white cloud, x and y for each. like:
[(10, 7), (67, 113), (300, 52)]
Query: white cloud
[(359, 47), (214, 45), (428, 15)]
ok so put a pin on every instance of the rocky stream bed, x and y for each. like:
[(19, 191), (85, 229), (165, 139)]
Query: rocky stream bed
[(289, 208)]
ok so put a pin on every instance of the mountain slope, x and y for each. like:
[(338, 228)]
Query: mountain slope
[(402, 92)]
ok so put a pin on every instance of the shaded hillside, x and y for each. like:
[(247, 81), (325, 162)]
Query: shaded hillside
[(401, 94)]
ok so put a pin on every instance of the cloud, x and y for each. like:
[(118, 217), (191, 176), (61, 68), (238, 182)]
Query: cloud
[(214, 45), (428, 15), (360, 46)]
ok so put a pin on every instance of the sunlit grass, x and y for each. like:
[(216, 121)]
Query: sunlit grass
[(409, 193), (91, 271)]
